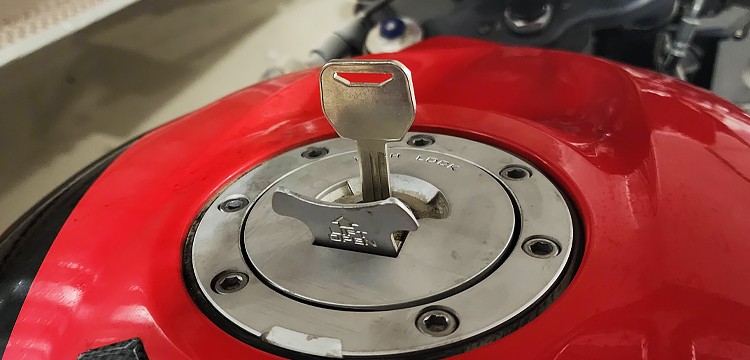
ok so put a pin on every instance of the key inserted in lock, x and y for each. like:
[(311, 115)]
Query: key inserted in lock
[(371, 102), (370, 113)]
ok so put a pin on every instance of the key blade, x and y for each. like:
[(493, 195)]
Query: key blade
[(374, 170), (381, 110)]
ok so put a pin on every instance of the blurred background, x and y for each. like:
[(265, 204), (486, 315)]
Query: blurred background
[(80, 77), (68, 103)]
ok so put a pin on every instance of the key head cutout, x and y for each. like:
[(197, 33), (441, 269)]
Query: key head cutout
[(368, 99)]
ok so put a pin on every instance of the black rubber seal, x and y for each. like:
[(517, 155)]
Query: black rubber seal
[(26, 242)]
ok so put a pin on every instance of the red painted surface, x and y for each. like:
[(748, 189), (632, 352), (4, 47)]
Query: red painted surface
[(659, 170)]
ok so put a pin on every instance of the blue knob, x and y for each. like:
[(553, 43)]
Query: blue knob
[(392, 28)]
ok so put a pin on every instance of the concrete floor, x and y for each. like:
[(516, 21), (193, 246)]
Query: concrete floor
[(69, 103)]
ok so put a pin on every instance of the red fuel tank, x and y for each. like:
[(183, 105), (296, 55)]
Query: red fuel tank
[(656, 170)]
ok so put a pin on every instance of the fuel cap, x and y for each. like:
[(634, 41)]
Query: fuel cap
[(466, 241)]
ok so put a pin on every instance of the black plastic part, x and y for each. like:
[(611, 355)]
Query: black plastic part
[(708, 51), (25, 243), (527, 9), (633, 47), (124, 350), (469, 16)]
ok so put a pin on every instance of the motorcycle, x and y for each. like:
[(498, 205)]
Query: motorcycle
[(701, 42), (455, 198)]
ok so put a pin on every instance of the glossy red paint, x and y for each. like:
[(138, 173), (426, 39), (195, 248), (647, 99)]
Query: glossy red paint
[(658, 169)]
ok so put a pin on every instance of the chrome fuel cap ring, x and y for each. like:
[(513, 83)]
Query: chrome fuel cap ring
[(495, 238), (444, 256)]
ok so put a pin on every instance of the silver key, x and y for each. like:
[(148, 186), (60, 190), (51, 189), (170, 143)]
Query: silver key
[(371, 113)]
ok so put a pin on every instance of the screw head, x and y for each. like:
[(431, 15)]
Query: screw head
[(229, 282), (421, 140), (515, 172), (234, 204), (314, 153), (541, 247), (437, 322)]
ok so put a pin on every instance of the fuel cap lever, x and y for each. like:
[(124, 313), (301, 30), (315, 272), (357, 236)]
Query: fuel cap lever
[(373, 113)]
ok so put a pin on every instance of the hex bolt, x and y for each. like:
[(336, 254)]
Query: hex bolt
[(541, 247), (515, 172), (314, 153), (234, 204), (437, 322), (421, 140), (229, 282)]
